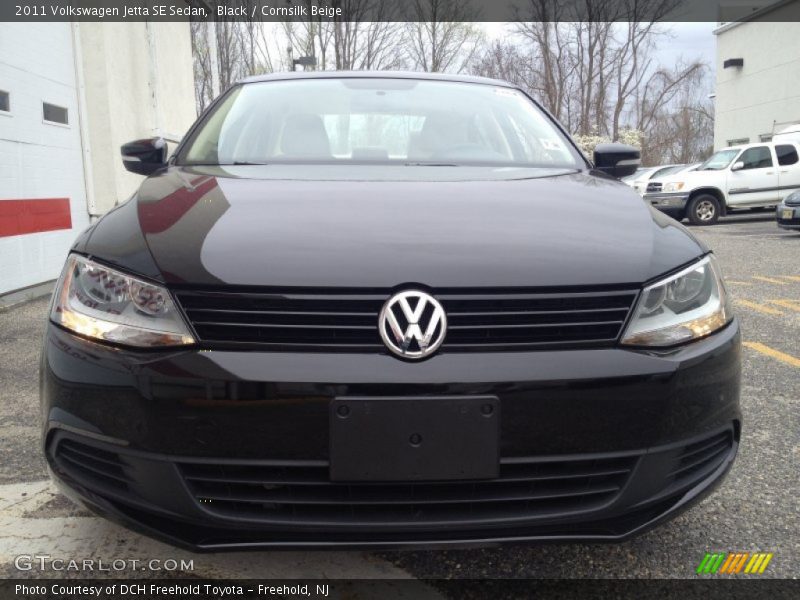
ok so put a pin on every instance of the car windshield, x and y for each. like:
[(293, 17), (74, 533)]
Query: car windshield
[(645, 174), (719, 160), (378, 121), (636, 175), (668, 171)]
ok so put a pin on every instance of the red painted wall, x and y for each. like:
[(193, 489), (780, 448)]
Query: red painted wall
[(18, 217)]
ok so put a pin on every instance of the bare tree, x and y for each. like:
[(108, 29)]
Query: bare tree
[(506, 61), (258, 43), (593, 65), (203, 92), (679, 125), (548, 41), (440, 35), (365, 35)]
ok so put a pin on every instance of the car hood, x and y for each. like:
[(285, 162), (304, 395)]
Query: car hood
[(691, 178), (373, 227)]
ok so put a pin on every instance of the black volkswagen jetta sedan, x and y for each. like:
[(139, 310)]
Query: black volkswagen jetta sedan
[(385, 310)]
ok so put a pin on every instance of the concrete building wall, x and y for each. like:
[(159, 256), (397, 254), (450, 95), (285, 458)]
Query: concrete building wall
[(138, 82), (763, 96)]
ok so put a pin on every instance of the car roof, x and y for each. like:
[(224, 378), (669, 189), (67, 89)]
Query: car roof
[(796, 142), (285, 76)]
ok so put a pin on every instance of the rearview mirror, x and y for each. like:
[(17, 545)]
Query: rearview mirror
[(737, 166), (145, 156), (617, 160)]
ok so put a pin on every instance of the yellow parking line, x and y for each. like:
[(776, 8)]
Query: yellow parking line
[(753, 564), (791, 277), (786, 304), (733, 281), (769, 279), (765, 563), (772, 353), (766, 310)]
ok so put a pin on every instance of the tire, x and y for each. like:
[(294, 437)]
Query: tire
[(703, 210), (678, 215)]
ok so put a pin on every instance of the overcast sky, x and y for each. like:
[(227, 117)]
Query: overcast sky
[(690, 40)]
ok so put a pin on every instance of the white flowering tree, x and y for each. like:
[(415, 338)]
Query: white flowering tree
[(587, 143)]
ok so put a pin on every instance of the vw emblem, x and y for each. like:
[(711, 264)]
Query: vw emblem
[(412, 324)]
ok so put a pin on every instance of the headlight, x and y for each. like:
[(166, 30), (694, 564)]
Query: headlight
[(673, 186), (685, 306), (105, 304)]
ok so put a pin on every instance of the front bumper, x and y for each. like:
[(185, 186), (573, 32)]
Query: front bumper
[(671, 203), (785, 221), (216, 450)]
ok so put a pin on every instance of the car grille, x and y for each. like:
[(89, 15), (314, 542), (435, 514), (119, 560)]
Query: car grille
[(654, 187), (301, 492), (347, 320), (90, 465), (698, 459)]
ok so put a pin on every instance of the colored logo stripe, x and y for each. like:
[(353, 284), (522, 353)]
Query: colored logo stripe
[(734, 563), (18, 217)]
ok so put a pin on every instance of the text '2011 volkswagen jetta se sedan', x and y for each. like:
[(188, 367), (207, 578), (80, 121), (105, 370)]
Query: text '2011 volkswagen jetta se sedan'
[(386, 310)]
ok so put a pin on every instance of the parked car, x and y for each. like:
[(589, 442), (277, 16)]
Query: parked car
[(735, 178), (788, 212), (640, 183), (636, 175), (686, 168), (339, 315), (656, 184)]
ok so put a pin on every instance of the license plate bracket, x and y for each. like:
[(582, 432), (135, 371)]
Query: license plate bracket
[(414, 439)]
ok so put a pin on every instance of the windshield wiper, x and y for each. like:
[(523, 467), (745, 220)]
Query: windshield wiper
[(430, 164)]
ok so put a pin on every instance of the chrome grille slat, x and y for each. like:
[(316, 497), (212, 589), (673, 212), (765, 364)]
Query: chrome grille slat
[(533, 325), (347, 319)]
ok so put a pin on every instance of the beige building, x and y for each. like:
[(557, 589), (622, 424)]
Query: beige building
[(758, 75), (70, 95)]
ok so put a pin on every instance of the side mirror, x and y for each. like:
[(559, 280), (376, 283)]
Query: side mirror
[(617, 160), (737, 166), (145, 156)]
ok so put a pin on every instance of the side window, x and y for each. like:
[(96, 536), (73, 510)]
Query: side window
[(756, 158), (787, 155)]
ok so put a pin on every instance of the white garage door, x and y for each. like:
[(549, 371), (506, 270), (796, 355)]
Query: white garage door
[(42, 193)]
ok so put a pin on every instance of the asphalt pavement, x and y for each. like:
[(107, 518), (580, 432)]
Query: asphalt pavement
[(755, 509)]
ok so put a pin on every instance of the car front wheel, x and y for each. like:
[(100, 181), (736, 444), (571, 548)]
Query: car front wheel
[(703, 210)]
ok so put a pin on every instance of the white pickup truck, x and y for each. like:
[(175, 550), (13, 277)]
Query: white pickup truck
[(739, 177)]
